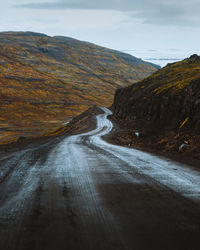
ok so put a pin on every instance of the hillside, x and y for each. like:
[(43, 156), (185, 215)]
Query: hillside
[(45, 81), (162, 112)]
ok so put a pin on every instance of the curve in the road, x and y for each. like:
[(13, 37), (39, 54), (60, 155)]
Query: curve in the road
[(48, 202), (176, 176)]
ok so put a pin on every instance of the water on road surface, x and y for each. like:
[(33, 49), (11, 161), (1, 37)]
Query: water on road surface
[(84, 193)]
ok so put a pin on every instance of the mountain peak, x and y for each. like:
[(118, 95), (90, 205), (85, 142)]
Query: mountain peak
[(22, 34), (194, 59)]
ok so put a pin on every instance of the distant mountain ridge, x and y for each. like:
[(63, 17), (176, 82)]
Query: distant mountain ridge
[(44, 81)]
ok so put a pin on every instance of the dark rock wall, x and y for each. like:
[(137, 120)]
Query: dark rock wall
[(140, 105)]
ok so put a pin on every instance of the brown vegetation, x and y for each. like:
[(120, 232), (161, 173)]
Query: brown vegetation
[(45, 81)]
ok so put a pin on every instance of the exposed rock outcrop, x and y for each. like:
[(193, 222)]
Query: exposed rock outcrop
[(164, 108)]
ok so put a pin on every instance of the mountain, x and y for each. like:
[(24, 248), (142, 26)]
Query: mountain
[(162, 112), (45, 81)]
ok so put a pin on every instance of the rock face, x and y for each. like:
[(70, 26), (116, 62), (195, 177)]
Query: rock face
[(44, 81), (164, 107), (194, 59)]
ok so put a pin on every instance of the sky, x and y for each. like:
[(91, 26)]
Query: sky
[(139, 27)]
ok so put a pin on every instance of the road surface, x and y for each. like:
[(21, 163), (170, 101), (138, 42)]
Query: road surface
[(83, 193)]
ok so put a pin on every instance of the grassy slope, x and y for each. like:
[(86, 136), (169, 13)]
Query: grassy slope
[(44, 81), (164, 108)]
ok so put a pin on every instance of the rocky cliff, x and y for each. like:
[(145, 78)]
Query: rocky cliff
[(163, 110), (45, 81)]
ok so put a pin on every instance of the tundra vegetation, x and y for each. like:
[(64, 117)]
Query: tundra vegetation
[(45, 81)]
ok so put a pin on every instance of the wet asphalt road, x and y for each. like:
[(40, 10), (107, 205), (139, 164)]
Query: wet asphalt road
[(83, 193)]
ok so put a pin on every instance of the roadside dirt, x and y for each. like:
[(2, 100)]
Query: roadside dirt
[(82, 123), (124, 136)]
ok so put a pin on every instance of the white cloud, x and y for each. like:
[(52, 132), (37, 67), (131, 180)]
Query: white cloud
[(179, 12), (127, 29)]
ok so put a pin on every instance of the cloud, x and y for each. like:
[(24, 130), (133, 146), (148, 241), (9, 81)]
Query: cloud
[(180, 12), (110, 28), (125, 5)]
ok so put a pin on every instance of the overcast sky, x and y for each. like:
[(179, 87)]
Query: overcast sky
[(119, 24)]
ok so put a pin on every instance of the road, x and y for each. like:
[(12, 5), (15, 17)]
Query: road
[(83, 193)]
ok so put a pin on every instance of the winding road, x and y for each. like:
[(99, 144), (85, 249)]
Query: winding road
[(84, 193)]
